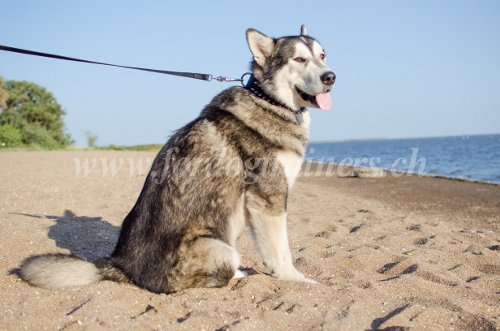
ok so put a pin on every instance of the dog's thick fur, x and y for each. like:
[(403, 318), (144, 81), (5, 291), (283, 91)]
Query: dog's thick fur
[(230, 168)]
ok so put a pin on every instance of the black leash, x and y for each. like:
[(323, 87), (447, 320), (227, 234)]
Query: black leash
[(252, 84), (193, 75)]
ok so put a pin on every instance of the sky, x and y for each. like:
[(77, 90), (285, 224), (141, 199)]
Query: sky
[(404, 68)]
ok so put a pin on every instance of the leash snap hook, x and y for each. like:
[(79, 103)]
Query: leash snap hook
[(242, 79), (224, 79)]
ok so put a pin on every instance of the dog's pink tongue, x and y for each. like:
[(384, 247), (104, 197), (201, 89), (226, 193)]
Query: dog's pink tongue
[(324, 101)]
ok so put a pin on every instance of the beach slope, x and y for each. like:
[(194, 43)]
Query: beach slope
[(392, 252)]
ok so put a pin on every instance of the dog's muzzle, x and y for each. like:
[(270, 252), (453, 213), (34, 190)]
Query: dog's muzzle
[(328, 78)]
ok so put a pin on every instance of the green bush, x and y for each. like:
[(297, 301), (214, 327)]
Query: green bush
[(10, 136), (34, 113), (35, 135)]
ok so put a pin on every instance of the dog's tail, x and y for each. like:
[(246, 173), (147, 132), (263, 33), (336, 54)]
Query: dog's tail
[(58, 270)]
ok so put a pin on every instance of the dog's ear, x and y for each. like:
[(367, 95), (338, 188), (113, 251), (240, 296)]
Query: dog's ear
[(303, 30), (260, 45)]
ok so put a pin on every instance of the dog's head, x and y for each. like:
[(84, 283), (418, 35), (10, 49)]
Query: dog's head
[(292, 69)]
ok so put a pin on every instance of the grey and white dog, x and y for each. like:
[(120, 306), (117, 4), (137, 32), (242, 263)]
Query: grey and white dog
[(230, 169)]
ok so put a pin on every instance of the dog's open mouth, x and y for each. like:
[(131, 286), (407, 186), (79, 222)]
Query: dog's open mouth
[(322, 100)]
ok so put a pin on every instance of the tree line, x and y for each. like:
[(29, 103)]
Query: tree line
[(30, 116)]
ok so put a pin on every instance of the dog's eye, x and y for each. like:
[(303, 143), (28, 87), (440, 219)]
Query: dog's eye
[(300, 59), (322, 56)]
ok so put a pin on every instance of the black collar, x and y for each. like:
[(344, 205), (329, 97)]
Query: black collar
[(253, 86)]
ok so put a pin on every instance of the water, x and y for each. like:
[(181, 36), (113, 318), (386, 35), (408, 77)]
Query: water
[(466, 157)]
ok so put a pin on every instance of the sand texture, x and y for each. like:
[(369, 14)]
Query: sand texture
[(395, 253)]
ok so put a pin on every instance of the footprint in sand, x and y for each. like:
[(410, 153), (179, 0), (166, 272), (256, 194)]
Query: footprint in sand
[(420, 241), (409, 270), (473, 249), (326, 233), (494, 248), (388, 269), (491, 269), (356, 228), (423, 240), (388, 266), (414, 227), (471, 279), (329, 252), (322, 234), (456, 266), (300, 262), (429, 276)]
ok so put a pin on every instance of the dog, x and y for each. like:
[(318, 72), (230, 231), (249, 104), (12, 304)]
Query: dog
[(182, 231)]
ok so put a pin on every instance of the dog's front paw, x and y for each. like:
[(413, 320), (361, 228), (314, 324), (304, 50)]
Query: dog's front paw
[(239, 274), (309, 281), (294, 275)]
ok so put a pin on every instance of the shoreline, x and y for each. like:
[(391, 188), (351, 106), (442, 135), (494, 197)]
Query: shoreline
[(403, 173)]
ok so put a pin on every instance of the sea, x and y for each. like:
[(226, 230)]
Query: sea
[(475, 157)]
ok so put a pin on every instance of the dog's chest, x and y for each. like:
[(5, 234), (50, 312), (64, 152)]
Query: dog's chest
[(291, 164)]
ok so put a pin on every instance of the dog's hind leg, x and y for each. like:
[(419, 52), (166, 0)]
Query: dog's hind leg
[(206, 262)]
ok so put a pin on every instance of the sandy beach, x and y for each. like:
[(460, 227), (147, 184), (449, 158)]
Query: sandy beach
[(390, 253)]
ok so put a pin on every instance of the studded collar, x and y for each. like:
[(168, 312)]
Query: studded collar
[(253, 86)]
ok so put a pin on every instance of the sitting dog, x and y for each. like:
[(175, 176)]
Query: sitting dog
[(229, 169)]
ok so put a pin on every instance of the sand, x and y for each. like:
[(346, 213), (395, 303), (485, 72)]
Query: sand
[(393, 252)]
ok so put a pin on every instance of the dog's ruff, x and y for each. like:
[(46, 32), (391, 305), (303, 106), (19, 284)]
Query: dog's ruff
[(230, 169)]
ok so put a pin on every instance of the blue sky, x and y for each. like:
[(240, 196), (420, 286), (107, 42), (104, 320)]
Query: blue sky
[(404, 68)]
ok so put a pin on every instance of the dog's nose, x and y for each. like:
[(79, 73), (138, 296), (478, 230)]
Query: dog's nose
[(328, 78)]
